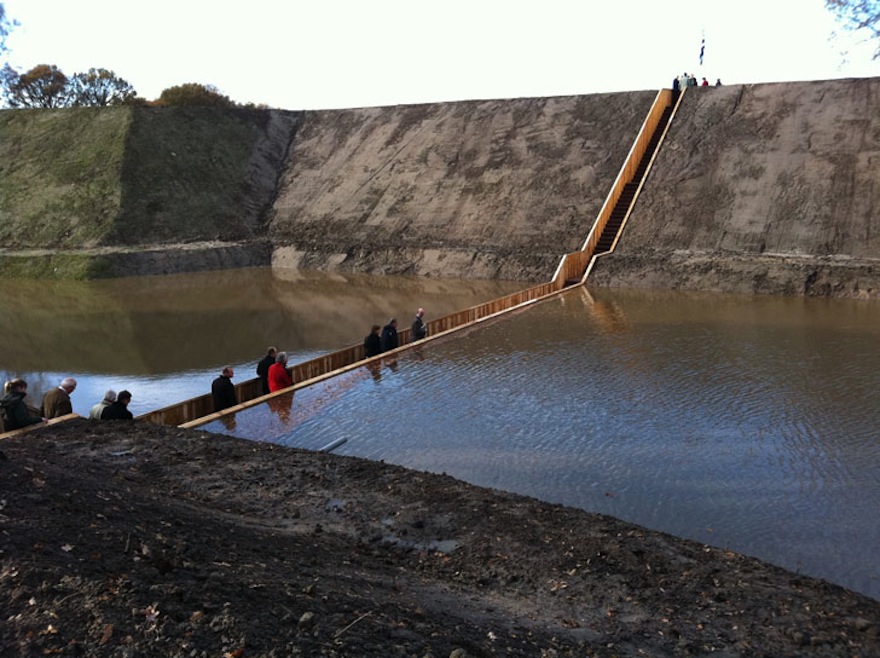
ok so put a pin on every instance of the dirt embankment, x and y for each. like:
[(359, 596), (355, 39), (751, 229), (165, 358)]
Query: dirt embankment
[(771, 188), (482, 189), (96, 192), (125, 539)]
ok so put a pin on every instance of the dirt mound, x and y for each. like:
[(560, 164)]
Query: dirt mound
[(124, 539)]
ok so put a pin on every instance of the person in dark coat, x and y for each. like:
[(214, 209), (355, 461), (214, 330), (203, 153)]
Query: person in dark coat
[(223, 391), (389, 335), (118, 410), (418, 330), (15, 411), (263, 368), (373, 343)]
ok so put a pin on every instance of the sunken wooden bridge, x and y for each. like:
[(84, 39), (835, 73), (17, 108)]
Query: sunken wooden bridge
[(573, 270)]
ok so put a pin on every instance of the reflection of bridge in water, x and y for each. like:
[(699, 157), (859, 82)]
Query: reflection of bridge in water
[(573, 270)]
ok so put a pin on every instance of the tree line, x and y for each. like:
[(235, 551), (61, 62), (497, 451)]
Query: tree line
[(47, 86)]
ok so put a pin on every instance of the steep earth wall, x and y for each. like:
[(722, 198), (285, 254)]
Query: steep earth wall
[(483, 189), (771, 188), (90, 192)]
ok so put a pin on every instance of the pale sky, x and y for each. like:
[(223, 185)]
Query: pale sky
[(324, 54)]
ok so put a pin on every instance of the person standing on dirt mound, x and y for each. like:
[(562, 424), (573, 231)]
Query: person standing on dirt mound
[(263, 368), (15, 412), (418, 330), (57, 401), (389, 335), (223, 391), (279, 375)]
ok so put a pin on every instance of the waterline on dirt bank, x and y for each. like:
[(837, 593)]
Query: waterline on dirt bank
[(745, 423)]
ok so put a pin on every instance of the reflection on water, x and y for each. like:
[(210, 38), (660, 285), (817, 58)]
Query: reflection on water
[(748, 423), (166, 337), (743, 422)]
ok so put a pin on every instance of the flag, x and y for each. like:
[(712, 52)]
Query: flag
[(702, 50)]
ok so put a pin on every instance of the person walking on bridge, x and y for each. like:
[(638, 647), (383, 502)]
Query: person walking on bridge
[(418, 330), (15, 411), (223, 391), (118, 410), (389, 335), (372, 343), (263, 368), (279, 375), (98, 409)]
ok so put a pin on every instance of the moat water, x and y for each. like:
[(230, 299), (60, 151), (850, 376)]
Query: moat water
[(751, 423)]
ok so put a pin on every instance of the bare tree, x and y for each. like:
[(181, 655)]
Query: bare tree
[(99, 88), (43, 86), (862, 16)]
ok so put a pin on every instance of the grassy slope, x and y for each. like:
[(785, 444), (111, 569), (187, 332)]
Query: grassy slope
[(88, 177), (185, 175), (60, 176)]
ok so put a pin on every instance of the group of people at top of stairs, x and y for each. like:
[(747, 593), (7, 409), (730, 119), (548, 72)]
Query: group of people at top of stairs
[(17, 414), (690, 80), (276, 375)]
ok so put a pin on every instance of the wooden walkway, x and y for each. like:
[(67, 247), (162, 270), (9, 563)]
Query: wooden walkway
[(573, 270)]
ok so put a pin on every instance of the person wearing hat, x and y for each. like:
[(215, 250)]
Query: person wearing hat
[(118, 410)]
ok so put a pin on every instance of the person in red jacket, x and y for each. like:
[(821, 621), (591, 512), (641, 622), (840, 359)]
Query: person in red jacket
[(279, 375)]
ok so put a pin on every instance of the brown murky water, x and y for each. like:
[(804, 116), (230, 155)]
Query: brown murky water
[(745, 422)]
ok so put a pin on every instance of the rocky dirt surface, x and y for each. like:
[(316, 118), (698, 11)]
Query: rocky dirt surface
[(125, 539)]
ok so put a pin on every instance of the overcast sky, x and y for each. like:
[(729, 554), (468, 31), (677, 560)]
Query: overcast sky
[(325, 54)]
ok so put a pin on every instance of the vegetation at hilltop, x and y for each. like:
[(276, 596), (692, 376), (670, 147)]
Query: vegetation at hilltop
[(46, 86)]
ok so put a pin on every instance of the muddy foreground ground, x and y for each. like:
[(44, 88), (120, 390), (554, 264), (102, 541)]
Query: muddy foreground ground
[(124, 539)]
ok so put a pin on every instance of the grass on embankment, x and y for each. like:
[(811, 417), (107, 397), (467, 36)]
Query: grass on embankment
[(80, 178), (60, 176)]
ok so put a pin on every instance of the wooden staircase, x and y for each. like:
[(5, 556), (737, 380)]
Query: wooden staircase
[(624, 203)]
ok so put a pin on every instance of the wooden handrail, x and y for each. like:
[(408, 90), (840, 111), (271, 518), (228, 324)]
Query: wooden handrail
[(37, 426), (668, 98), (189, 412), (628, 170)]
